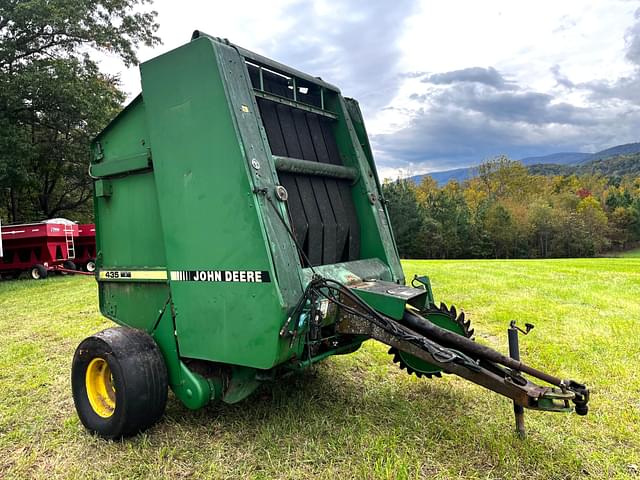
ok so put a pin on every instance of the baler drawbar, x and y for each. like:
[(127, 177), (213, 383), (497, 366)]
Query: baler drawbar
[(241, 235)]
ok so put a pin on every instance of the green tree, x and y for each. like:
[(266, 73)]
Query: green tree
[(407, 217), (450, 222), (622, 226), (541, 216), (499, 227), (503, 178), (595, 221), (53, 98)]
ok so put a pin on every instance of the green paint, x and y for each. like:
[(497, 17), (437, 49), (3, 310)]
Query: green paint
[(192, 389), (185, 174), (441, 320)]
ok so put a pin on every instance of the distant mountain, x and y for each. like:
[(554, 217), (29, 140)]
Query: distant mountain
[(626, 149), (458, 174), (610, 166), (564, 158), (554, 164)]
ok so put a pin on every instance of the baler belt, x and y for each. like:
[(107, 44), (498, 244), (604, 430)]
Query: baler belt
[(321, 209)]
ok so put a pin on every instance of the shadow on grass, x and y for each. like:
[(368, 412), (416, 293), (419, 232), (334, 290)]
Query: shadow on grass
[(350, 412)]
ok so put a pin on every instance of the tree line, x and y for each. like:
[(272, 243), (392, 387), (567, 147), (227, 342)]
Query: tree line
[(54, 99), (508, 212)]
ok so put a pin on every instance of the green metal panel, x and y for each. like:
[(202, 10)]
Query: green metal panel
[(126, 136), (129, 224), (210, 216), (261, 170), (130, 163), (186, 199), (389, 298)]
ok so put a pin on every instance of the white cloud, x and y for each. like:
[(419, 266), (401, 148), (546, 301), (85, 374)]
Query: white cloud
[(565, 60)]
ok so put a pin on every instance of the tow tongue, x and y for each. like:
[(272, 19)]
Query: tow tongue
[(394, 319)]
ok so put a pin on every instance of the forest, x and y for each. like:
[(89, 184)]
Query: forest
[(509, 211)]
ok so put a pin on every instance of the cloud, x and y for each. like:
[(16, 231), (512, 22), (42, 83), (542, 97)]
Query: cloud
[(514, 106), (467, 116), (462, 117), (486, 76), (633, 41), (449, 136), (626, 88), (354, 48), (561, 80)]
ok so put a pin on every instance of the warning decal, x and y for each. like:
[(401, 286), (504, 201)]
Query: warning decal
[(241, 276)]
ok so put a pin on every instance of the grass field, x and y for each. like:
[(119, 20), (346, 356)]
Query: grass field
[(354, 416), (635, 253)]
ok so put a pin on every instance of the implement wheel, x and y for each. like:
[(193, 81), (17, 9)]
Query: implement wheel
[(69, 265), (38, 272), (119, 382)]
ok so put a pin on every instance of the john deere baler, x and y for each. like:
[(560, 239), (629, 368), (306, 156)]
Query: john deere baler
[(242, 234)]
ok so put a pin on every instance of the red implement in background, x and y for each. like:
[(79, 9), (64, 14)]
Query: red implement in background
[(40, 248), (85, 244)]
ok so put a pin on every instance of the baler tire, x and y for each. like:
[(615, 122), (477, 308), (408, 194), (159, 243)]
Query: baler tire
[(38, 272), (133, 395), (90, 266)]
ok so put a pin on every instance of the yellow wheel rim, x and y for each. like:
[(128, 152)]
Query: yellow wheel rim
[(100, 389)]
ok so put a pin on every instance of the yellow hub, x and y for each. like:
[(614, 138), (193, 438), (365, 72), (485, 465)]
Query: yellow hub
[(100, 389)]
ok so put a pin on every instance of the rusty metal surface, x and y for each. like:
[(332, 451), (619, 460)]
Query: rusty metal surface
[(525, 395)]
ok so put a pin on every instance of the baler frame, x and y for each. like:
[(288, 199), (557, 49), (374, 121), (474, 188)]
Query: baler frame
[(297, 260)]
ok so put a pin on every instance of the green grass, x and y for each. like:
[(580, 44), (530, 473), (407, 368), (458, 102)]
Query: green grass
[(355, 416), (635, 253)]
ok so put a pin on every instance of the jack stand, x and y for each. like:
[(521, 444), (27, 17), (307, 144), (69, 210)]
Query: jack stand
[(514, 352)]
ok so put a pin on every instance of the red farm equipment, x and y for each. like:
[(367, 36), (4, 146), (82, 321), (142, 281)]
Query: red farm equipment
[(85, 247), (40, 248)]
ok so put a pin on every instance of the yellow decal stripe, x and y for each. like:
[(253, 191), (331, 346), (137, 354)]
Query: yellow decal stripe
[(132, 275)]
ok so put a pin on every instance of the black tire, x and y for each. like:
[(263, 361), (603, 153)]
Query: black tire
[(38, 272), (138, 376), (90, 266), (69, 265)]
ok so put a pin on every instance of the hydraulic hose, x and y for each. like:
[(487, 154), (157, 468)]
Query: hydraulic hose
[(418, 324)]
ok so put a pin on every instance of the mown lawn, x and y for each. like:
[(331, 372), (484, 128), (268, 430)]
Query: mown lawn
[(355, 416)]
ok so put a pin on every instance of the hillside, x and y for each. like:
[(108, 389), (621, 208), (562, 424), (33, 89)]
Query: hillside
[(557, 164), (563, 158), (616, 166), (626, 149), (458, 174)]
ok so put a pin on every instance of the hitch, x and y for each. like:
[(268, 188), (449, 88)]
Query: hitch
[(459, 355)]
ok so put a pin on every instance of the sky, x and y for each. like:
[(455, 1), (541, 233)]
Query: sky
[(445, 84)]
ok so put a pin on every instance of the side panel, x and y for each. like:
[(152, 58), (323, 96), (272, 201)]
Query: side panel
[(128, 233), (210, 216), (128, 237)]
